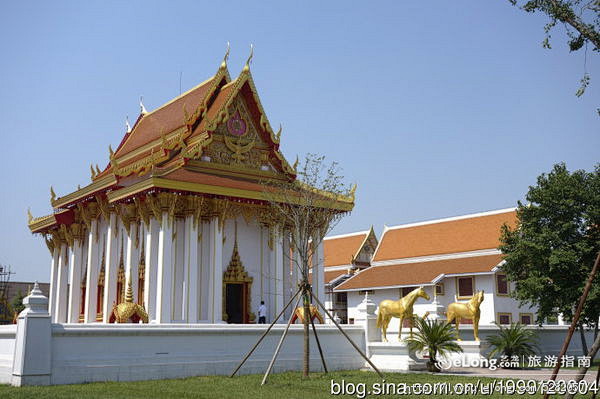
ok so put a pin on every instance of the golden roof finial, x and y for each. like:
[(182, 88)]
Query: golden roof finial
[(225, 58), (142, 108), (249, 60), (296, 163), (97, 170), (278, 134), (353, 190), (29, 215), (93, 171), (127, 125), (111, 152), (52, 194)]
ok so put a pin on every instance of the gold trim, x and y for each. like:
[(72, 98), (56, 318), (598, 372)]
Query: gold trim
[(41, 223), (157, 182), (231, 170), (99, 184)]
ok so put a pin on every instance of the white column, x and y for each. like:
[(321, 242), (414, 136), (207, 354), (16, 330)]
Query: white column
[(75, 261), (151, 258), (179, 293), (205, 290), (111, 269), (164, 271), (53, 278), (318, 274), (62, 282), (93, 267), (216, 271), (276, 262), (191, 309), (287, 284), (132, 261)]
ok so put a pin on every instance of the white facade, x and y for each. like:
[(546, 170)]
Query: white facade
[(184, 263), (490, 307)]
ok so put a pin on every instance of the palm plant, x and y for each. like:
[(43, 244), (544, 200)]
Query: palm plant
[(437, 337), (514, 340)]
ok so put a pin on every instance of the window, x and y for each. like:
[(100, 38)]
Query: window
[(404, 291), (504, 318), (501, 284), (439, 289), (465, 286), (526, 318)]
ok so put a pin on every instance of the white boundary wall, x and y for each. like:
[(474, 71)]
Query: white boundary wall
[(84, 353), (127, 352), (38, 352)]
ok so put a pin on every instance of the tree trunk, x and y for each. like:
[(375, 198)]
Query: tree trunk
[(583, 370), (596, 329), (306, 303), (584, 346)]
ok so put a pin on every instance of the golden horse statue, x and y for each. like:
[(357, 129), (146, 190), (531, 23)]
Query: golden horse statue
[(299, 314), (402, 308), (466, 310), (128, 310)]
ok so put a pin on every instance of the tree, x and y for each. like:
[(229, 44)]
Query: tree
[(513, 340), (437, 337), (580, 18), (17, 303), (306, 208), (309, 207), (550, 253)]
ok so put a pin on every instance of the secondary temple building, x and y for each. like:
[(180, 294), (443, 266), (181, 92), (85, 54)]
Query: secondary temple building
[(451, 258), (179, 213)]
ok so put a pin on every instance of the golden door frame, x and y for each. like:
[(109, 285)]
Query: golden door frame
[(236, 274)]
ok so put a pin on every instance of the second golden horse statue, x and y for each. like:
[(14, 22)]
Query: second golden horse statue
[(402, 308), (299, 314), (466, 310)]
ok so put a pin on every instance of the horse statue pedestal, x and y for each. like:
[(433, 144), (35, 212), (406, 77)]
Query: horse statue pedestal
[(395, 356), (471, 355)]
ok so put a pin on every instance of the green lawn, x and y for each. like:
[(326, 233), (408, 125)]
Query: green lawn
[(285, 385)]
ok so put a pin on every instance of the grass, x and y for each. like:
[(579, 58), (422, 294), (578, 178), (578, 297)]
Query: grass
[(284, 385)]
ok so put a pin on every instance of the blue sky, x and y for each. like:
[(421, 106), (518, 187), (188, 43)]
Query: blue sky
[(434, 108)]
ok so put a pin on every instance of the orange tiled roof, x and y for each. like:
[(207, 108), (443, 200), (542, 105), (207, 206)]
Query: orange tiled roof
[(409, 274), (459, 235), (184, 175), (164, 119), (339, 251), (330, 276)]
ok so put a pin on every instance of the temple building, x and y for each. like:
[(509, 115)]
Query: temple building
[(451, 259), (180, 215), (345, 255)]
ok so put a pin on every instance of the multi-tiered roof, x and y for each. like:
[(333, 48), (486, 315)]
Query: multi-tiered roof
[(213, 141)]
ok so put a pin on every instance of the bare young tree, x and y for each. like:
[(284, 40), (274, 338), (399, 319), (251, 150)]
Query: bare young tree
[(309, 207)]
